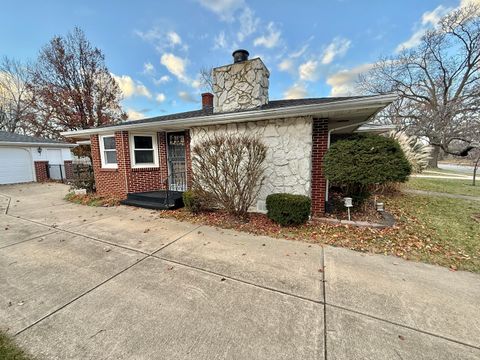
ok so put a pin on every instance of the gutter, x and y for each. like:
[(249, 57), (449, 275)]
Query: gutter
[(256, 115), (32, 144)]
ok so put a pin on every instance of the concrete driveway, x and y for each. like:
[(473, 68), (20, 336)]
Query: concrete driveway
[(119, 283)]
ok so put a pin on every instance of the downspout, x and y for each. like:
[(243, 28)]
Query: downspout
[(124, 161)]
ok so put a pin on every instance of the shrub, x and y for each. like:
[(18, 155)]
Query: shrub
[(192, 201), (417, 152), (228, 171), (288, 209), (361, 161)]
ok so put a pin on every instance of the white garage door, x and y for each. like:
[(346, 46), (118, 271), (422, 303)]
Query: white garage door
[(15, 165)]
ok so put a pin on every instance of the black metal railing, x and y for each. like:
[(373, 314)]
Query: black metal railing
[(175, 182)]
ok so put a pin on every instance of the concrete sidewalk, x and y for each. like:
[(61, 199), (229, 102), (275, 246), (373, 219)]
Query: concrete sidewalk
[(119, 283)]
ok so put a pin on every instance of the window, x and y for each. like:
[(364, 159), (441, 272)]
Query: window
[(143, 150), (108, 152)]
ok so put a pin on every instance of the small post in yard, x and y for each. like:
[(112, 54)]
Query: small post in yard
[(348, 204)]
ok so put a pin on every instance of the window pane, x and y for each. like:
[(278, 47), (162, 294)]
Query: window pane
[(143, 157), (143, 142), (110, 157), (109, 143)]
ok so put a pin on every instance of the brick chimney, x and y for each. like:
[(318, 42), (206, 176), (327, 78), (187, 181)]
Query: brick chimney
[(242, 85), (207, 100)]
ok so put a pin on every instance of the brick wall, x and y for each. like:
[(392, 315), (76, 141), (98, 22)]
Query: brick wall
[(124, 179), (110, 182), (148, 179), (68, 164), (319, 148), (41, 170)]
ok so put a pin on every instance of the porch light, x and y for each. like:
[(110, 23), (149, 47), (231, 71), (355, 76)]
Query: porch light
[(39, 150), (348, 204)]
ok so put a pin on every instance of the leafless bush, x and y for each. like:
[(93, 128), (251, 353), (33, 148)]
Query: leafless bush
[(228, 171)]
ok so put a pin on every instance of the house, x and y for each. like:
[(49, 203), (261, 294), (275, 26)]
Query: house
[(151, 154), (26, 158)]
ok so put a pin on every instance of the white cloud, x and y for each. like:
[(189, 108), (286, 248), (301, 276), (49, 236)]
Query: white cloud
[(220, 41), (174, 38), (286, 65), (300, 52), (225, 9), (135, 115), (270, 39), (130, 87), (429, 20), (175, 65), (160, 97), (148, 68), (187, 97), (337, 48), (161, 39), (344, 82), (308, 70), (296, 91), (248, 22), (164, 79)]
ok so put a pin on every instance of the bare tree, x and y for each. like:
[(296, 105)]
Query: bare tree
[(15, 110), (206, 79), (72, 88), (228, 171), (438, 83), (474, 156)]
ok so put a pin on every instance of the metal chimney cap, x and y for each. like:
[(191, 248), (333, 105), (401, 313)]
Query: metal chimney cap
[(240, 55)]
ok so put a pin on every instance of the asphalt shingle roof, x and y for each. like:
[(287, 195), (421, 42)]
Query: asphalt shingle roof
[(6, 136), (273, 104)]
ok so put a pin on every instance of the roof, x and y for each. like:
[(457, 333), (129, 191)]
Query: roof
[(357, 109), (273, 104), (375, 128), (18, 139)]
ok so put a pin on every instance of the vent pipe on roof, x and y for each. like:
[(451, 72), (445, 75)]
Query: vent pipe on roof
[(240, 55)]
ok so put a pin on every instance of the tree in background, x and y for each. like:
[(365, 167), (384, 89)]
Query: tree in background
[(15, 110), (438, 83), (72, 88)]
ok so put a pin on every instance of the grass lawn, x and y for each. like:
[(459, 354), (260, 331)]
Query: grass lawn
[(446, 224), (451, 186), (9, 351)]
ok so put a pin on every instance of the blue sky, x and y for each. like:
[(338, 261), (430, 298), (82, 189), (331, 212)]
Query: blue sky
[(156, 49)]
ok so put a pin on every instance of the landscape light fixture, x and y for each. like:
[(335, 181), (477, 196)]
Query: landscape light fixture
[(348, 204)]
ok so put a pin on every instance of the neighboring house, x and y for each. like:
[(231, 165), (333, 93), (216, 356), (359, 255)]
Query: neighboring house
[(139, 156), (27, 158)]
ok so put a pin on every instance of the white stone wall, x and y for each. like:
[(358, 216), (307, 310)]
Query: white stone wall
[(288, 161), (240, 86)]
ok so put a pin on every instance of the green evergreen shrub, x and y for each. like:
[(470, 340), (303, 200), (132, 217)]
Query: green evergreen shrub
[(192, 201), (288, 209), (361, 161)]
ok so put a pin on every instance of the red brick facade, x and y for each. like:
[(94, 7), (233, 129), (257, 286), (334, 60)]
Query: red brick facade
[(125, 179), (319, 148), (41, 170)]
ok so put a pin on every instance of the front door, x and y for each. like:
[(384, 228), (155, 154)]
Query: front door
[(176, 161)]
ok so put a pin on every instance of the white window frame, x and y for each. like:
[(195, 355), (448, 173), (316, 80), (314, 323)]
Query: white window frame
[(102, 152), (132, 150)]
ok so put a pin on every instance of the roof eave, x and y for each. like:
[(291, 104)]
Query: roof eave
[(32, 144), (379, 101)]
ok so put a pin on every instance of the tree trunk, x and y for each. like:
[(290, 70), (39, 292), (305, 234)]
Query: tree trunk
[(475, 167), (433, 162)]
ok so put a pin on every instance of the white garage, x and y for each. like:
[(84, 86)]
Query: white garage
[(22, 156)]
